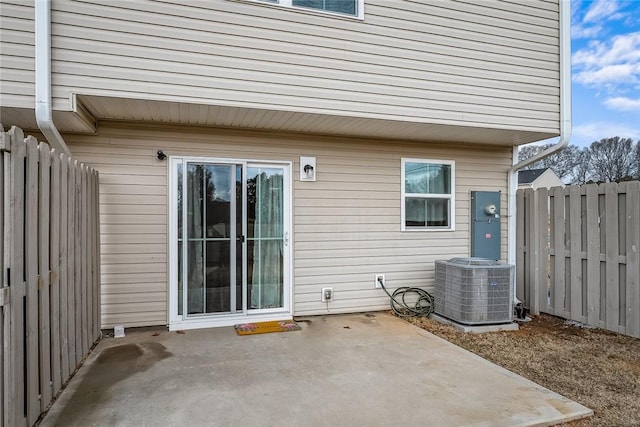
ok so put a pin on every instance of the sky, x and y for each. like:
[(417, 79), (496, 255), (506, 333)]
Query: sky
[(605, 65)]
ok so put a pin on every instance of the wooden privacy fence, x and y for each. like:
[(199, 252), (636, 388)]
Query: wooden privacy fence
[(49, 295), (578, 254)]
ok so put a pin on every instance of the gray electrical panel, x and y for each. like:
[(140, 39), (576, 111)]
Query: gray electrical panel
[(485, 224)]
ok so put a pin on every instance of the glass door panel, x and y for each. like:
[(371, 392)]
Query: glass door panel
[(210, 238), (265, 238)]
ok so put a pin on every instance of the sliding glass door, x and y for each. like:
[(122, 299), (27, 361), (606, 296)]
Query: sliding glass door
[(231, 239), (265, 237)]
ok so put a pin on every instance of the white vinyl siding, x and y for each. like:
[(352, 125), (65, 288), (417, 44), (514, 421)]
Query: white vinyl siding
[(345, 225), (486, 64), (17, 88)]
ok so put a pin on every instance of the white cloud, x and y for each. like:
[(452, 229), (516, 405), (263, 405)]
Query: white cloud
[(611, 62), (623, 47), (590, 23), (602, 10), (579, 31), (622, 103), (585, 134), (615, 74)]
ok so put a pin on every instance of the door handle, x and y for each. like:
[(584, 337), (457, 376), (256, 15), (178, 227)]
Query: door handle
[(286, 238)]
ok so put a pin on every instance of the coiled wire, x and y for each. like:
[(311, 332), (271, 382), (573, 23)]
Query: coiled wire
[(423, 305)]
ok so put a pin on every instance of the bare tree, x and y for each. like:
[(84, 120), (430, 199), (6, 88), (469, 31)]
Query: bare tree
[(582, 171), (636, 162), (564, 162), (612, 159)]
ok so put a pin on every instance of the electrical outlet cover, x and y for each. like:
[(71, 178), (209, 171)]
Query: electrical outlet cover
[(327, 295)]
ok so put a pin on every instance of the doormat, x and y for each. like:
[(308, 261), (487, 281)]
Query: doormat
[(267, 327)]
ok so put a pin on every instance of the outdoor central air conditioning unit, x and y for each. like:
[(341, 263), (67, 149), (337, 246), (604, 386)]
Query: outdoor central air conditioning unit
[(474, 291)]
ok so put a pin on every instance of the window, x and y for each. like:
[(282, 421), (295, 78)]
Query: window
[(343, 7), (428, 188)]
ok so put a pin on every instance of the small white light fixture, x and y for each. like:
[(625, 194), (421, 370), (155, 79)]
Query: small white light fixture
[(307, 168)]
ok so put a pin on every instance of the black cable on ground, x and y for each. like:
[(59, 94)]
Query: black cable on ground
[(422, 307)]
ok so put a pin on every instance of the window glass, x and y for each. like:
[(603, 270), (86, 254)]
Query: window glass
[(427, 212), (428, 194), (427, 178), (347, 7)]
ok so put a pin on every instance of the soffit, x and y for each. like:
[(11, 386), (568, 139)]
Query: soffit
[(91, 109)]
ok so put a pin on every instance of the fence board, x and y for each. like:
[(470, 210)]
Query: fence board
[(16, 385), (64, 269), (557, 220), (71, 269), (31, 265), (530, 259), (77, 255), (632, 326), (47, 259), (575, 242), (96, 233), (5, 249), (543, 245), (521, 251), (44, 175), (84, 247), (593, 256), (54, 266), (612, 293)]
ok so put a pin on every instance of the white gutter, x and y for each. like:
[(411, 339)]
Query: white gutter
[(44, 108), (565, 125)]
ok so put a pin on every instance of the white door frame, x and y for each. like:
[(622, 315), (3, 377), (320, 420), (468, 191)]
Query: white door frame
[(181, 322)]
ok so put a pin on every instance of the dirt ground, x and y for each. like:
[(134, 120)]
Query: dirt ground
[(596, 368)]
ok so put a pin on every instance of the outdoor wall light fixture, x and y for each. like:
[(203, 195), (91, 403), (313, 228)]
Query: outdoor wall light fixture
[(307, 168), (161, 155)]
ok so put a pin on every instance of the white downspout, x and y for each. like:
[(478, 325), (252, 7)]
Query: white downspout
[(565, 126), (44, 108)]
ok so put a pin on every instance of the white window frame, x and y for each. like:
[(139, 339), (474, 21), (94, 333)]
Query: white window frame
[(451, 197), (289, 3)]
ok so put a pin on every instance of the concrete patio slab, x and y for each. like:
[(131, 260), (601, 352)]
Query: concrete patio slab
[(340, 370)]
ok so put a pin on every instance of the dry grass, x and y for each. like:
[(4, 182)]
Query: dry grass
[(596, 368)]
